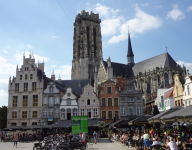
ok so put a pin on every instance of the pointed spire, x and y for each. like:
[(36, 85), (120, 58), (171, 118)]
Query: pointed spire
[(130, 52), (109, 59)]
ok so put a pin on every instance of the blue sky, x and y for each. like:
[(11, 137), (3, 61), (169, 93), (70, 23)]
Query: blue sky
[(45, 29)]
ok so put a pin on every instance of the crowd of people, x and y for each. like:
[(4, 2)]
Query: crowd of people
[(150, 140)]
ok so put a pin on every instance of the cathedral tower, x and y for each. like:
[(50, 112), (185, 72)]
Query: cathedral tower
[(87, 46)]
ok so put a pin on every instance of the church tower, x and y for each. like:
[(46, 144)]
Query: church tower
[(87, 46), (130, 55)]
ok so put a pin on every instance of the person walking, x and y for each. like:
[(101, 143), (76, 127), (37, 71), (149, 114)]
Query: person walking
[(15, 139), (95, 136), (146, 140)]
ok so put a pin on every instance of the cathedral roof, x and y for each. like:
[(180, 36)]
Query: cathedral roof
[(163, 60), (120, 69)]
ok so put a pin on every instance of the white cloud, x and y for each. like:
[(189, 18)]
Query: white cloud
[(189, 8), (109, 26), (175, 13), (53, 66), (29, 46), (187, 65), (54, 37), (159, 6), (141, 23), (3, 98), (19, 57), (5, 51), (104, 10), (6, 68), (144, 5)]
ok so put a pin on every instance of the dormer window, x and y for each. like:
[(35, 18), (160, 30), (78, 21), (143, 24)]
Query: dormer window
[(68, 94), (51, 89)]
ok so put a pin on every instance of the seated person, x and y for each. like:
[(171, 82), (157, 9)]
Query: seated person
[(172, 145), (157, 142)]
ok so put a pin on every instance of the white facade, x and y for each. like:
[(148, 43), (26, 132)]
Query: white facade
[(158, 100), (89, 103), (187, 93), (25, 94), (169, 102), (68, 106), (51, 104)]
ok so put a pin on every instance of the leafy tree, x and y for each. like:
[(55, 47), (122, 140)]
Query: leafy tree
[(3, 117)]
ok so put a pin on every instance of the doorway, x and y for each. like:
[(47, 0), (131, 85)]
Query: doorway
[(89, 113), (68, 114)]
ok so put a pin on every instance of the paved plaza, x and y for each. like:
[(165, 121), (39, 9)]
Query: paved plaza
[(103, 144)]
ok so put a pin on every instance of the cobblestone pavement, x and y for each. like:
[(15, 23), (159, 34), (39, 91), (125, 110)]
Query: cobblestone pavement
[(103, 144)]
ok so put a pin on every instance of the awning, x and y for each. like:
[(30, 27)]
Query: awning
[(157, 118), (181, 115), (119, 124), (140, 121), (12, 128)]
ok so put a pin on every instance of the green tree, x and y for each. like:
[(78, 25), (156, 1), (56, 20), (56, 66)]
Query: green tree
[(3, 117)]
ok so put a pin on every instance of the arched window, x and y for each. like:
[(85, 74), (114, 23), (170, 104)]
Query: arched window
[(173, 78), (149, 85), (68, 110), (166, 77), (51, 89), (88, 102), (139, 110), (74, 112), (62, 114), (131, 111), (45, 100), (51, 101)]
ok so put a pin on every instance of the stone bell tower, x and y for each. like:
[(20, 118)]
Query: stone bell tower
[(87, 46)]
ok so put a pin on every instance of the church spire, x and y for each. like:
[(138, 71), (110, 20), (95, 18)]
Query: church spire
[(130, 55)]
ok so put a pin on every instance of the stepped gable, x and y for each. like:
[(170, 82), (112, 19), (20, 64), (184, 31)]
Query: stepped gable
[(120, 69), (163, 60), (76, 85)]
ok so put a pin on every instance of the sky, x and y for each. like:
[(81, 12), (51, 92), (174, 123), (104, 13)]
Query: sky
[(46, 29)]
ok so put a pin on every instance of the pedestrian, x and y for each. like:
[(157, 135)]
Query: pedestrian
[(95, 136), (172, 145), (146, 140), (15, 139)]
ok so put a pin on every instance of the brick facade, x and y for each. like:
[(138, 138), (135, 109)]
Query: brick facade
[(109, 101)]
